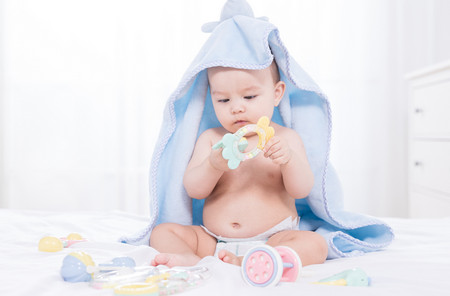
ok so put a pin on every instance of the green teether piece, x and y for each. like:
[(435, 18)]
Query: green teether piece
[(242, 145), (234, 145)]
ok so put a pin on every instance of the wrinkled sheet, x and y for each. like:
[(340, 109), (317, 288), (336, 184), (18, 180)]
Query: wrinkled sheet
[(416, 263)]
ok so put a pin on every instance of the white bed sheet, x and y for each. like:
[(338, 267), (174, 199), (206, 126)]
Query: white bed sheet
[(417, 263)]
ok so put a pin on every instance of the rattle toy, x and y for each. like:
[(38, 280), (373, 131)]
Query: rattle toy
[(148, 280), (122, 275), (74, 268), (142, 289), (234, 144), (79, 266), (165, 281), (265, 266), (54, 244), (351, 277)]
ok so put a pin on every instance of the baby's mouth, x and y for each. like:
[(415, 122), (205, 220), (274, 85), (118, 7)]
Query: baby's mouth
[(241, 122)]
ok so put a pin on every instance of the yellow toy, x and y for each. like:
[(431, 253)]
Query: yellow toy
[(54, 244)]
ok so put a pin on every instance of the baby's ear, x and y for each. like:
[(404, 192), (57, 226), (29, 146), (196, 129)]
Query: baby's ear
[(280, 87)]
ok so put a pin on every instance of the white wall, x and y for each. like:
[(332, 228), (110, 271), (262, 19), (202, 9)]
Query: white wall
[(2, 114), (85, 82)]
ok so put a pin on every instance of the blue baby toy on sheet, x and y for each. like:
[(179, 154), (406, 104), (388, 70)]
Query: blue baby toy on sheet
[(239, 40)]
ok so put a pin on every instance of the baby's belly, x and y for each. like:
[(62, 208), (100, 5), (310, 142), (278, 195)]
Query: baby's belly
[(246, 215)]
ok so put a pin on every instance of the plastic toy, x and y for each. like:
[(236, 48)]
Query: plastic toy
[(137, 289), (234, 144), (265, 266), (144, 279), (112, 279), (74, 268), (118, 263), (79, 266), (54, 244), (351, 277), (122, 275)]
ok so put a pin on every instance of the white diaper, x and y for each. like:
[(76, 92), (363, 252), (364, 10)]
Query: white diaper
[(239, 246)]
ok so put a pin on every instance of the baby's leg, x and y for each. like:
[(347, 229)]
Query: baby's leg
[(310, 246), (180, 245)]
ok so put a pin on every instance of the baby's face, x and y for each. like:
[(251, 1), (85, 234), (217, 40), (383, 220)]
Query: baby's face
[(241, 97)]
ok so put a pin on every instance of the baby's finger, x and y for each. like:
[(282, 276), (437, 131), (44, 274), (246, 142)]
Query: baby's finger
[(273, 149), (270, 143)]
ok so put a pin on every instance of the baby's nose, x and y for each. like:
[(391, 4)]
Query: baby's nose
[(237, 108)]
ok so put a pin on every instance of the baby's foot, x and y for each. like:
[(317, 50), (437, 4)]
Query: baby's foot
[(229, 257), (171, 260)]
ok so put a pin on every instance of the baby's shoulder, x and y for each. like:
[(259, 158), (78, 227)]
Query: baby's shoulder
[(289, 134), (279, 129), (213, 134)]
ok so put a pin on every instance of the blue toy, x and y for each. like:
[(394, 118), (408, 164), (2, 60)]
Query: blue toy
[(79, 266), (74, 268)]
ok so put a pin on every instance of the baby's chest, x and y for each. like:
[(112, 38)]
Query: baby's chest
[(258, 171)]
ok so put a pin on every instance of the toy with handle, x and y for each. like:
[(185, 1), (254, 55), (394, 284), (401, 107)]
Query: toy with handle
[(54, 244), (265, 266), (79, 266), (233, 145)]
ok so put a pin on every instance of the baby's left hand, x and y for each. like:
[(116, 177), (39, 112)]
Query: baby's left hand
[(278, 150)]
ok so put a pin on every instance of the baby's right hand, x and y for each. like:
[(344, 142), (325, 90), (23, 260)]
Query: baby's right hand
[(217, 161)]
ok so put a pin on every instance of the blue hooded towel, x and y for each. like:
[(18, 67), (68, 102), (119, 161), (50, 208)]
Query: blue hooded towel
[(239, 40)]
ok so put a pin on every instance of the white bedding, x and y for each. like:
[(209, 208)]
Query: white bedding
[(417, 263)]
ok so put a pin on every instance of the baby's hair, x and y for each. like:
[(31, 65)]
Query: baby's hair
[(274, 71)]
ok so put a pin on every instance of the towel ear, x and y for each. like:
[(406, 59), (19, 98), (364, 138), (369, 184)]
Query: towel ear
[(231, 9), (209, 27)]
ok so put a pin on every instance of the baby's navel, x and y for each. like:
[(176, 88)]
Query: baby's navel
[(236, 225)]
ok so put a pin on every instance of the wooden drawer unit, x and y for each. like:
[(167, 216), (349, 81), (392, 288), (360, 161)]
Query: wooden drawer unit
[(429, 142)]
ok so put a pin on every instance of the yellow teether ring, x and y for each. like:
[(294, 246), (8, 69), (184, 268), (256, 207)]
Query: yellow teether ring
[(137, 289)]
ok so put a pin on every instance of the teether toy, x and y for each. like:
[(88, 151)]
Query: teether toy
[(74, 268), (265, 266), (79, 266), (137, 289), (150, 279), (122, 275), (234, 144), (54, 244), (351, 277)]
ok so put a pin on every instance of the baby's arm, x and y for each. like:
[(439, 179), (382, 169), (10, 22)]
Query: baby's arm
[(205, 168), (290, 154)]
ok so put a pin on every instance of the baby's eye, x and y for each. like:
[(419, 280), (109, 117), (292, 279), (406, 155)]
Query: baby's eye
[(223, 100), (249, 97)]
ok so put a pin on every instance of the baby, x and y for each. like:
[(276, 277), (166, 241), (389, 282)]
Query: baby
[(254, 203)]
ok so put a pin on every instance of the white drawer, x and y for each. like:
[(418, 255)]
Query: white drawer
[(424, 205), (429, 164), (430, 110)]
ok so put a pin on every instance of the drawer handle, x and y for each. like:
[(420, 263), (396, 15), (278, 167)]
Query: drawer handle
[(418, 110), (418, 163)]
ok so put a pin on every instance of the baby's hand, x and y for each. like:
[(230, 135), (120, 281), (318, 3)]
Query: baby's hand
[(278, 150), (217, 161)]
